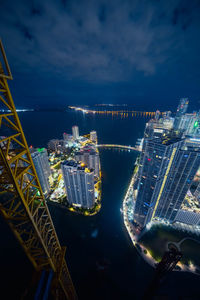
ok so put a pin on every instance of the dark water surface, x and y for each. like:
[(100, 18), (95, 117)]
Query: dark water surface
[(102, 261)]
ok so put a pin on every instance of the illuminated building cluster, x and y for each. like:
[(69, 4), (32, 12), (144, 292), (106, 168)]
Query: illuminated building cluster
[(169, 160), (70, 174)]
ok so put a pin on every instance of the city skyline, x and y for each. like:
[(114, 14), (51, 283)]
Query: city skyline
[(156, 127), (168, 163), (100, 149)]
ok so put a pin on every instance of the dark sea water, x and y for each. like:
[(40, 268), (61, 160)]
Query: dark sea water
[(102, 261)]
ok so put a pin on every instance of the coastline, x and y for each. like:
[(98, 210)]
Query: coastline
[(143, 252)]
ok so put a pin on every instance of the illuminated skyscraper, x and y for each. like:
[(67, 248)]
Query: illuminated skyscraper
[(75, 132), (79, 184), (197, 193), (154, 129), (175, 184), (41, 163), (90, 157), (53, 145), (67, 137), (167, 168), (93, 136), (181, 110), (157, 115), (189, 123)]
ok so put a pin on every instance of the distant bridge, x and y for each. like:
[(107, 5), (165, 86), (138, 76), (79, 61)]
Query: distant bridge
[(118, 146), (117, 113)]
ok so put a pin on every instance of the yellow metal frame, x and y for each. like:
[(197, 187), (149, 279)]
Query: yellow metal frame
[(2, 73), (22, 203)]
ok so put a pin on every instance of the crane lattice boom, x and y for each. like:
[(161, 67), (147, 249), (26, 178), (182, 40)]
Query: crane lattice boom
[(22, 202)]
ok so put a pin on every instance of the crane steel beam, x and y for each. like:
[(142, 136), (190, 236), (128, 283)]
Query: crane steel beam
[(22, 203)]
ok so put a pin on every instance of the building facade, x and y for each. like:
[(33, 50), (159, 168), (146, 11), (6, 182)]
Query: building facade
[(189, 123), (53, 145), (41, 163), (188, 217), (75, 132), (93, 136), (181, 110), (90, 157), (67, 137), (197, 192), (79, 184), (167, 168)]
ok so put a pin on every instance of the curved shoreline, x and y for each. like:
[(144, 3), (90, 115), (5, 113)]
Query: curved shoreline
[(86, 213), (129, 227)]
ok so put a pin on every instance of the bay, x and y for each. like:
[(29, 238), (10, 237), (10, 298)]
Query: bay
[(102, 261)]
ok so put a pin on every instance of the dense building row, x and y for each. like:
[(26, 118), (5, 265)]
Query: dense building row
[(79, 175), (169, 160), (70, 141)]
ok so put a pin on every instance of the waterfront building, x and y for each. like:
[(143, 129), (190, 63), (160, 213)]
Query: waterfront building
[(181, 110), (93, 136), (67, 137), (166, 169), (41, 163), (59, 146), (167, 114), (94, 162), (79, 184), (187, 217), (75, 132), (154, 129), (157, 115), (90, 157), (197, 192), (189, 123), (167, 120), (158, 128), (53, 145)]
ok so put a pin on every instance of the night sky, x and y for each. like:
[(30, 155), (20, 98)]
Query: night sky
[(144, 53)]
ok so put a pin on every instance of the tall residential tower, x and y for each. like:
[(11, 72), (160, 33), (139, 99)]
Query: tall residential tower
[(181, 110), (79, 184), (41, 163), (90, 157), (167, 167), (75, 132)]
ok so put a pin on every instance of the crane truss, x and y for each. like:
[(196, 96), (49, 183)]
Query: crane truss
[(22, 203)]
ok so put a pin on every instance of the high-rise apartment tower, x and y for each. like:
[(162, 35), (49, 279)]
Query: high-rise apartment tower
[(41, 163), (75, 132), (79, 184)]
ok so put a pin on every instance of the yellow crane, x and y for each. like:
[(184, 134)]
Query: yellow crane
[(22, 203)]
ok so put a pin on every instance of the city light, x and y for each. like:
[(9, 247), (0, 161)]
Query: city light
[(115, 113)]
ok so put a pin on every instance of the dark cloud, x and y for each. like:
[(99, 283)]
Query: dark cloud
[(36, 11), (102, 13), (112, 41), (24, 31), (184, 12), (175, 16)]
